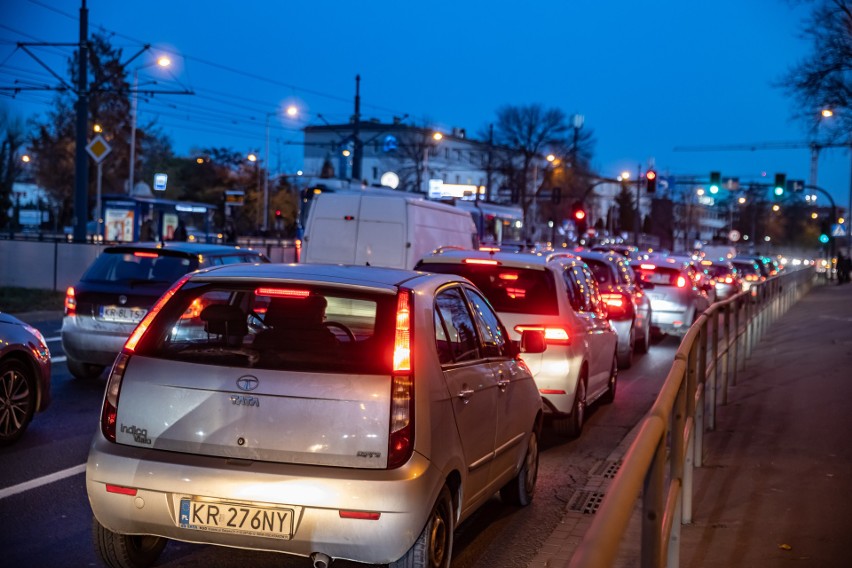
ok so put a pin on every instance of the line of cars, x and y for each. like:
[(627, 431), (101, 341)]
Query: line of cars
[(316, 409)]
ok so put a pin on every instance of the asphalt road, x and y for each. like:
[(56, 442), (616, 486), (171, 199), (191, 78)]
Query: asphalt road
[(46, 520)]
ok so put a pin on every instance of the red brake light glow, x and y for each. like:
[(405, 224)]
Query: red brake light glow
[(487, 261), (401, 439), (516, 293), (617, 304), (681, 282), (508, 276), (402, 340), (140, 330), (282, 292), (121, 490), (553, 335), (145, 254), (647, 266), (70, 301)]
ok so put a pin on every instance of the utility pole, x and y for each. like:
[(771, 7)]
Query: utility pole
[(81, 162), (489, 168), (357, 153)]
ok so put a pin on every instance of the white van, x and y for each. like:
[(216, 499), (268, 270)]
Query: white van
[(382, 230)]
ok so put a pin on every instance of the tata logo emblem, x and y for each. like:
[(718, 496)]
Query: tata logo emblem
[(122, 299), (247, 383)]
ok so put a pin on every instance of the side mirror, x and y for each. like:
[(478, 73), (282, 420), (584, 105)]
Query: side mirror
[(532, 341)]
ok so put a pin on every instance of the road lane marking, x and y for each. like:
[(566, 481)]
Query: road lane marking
[(60, 359), (40, 481), (49, 339)]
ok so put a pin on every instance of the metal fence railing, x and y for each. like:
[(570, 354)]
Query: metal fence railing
[(657, 468)]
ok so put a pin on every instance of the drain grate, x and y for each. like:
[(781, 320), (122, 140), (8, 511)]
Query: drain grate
[(586, 502), (607, 469)]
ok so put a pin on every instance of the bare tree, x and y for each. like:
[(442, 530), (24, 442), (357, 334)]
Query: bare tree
[(822, 80), (11, 141), (526, 132)]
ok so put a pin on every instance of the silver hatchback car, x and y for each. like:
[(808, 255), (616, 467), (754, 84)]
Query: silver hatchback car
[(330, 412)]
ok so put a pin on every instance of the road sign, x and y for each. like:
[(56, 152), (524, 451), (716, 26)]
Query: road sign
[(838, 230), (234, 196), (160, 181), (98, 148)]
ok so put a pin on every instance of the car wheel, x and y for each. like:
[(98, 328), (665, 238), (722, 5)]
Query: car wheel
[(17, 400), (520, 490), (645, 344), (125, 550), (84, 370), (434, 547), (572, 425), (625, 356), (609, 396)]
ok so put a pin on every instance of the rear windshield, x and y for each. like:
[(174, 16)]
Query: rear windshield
[(717, 270), (139, 266), (293, 327), (601, 270), (660, 275), (510, 290)]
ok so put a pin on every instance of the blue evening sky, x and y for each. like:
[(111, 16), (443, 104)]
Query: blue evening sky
[(647, 76)]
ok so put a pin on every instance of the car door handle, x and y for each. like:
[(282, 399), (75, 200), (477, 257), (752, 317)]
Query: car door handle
[(465, 394)]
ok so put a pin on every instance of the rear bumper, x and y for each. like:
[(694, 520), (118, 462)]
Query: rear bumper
[(88, 341), (403, 497)]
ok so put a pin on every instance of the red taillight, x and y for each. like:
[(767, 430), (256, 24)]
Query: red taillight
[(110, 406), (140, 330), (70, 302), (647, 266), (361, 515), (282, 292), (401, 439), (681, 282), (145, 254), (552, 334), (617, 304), (486, 261)]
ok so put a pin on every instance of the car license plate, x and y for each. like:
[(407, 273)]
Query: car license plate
[(122, 314), (225, 517)]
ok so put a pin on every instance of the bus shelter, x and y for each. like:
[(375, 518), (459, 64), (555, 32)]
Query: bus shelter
[(130, 218)]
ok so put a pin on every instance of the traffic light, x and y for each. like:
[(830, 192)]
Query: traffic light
[(715, 182), (780, 184), (823, 238), (651, 181), (278, 214), (578, 212)]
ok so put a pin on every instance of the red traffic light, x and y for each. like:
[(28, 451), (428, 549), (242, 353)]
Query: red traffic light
[(579, 214), (278, 213), (651, 174)]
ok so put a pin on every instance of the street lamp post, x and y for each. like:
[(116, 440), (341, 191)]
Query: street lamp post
[(162, 61)]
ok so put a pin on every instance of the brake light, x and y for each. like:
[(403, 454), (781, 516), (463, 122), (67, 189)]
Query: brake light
[(70, 302), (489, 249), (145, 254), (516, 293), (121, 490), (508, 276), (552, 334), (110, 406), (729, 280), (647, 266), (681, 282), (140, 330), (617, 304), (487, 261), (298, 250), (401, 439), (282, 292)]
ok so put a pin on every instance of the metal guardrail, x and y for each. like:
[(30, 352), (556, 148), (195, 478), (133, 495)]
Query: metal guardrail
[(658, 465)]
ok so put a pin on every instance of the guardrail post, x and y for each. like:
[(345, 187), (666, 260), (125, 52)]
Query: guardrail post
[(696, 393), (739, 341), (726, 357), (653, 508), (710, 391)]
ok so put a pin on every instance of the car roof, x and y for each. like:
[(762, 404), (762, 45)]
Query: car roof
[(182, 247), (611, 256), (350, 275), (539, 260)]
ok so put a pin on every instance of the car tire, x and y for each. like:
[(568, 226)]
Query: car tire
[(434, 547), (520, 490), (625, 356), (609, 396), (17, 400), (571, 426), (84, 371), (126, 550), (645, 344)]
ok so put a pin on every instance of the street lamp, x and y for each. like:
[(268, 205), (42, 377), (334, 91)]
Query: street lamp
[(163, 62)]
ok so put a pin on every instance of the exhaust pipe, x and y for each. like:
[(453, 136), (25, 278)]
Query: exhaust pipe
[(320, 560)]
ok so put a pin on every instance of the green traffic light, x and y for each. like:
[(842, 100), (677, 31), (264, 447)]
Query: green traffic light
[(779, 190), (823, 238)]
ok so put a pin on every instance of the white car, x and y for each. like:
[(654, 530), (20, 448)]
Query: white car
[(557, 294), (330, 412)]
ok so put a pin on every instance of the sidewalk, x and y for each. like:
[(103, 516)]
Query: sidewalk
[(775, 489)]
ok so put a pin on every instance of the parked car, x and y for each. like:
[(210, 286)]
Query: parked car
[(628, 306), (24, 377), (677, 299), (119, 288), (324, 411), (557, 294)]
